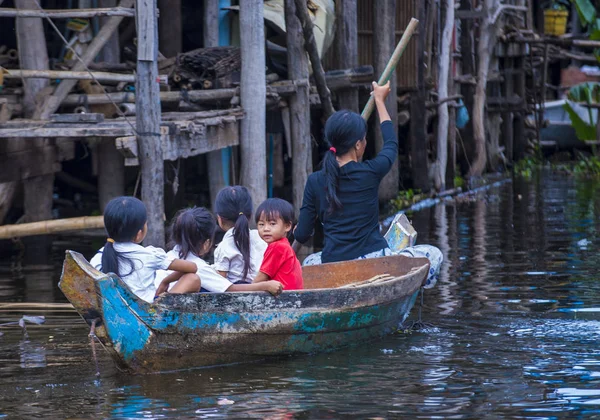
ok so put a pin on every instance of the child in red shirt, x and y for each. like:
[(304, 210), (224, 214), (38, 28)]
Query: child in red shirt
[(274, 221)]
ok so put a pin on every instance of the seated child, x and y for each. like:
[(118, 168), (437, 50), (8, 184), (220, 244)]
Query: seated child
[(240, 253), (125, 223), (274, 221), (192, 233)]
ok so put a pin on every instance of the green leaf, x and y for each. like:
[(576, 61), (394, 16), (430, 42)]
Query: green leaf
[(584, 130), (586, 11), (595, 35)]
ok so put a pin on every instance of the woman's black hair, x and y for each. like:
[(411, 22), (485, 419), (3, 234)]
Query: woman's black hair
[(274, 208), (124, 217), (342, 130), (234, 204), (190, 229)]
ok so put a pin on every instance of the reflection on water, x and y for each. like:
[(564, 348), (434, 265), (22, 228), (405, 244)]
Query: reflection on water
[(515, 316)]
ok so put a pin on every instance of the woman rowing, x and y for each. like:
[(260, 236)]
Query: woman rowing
[(343, 195)]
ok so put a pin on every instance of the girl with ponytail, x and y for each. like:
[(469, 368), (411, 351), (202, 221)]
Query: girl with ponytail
[(192, 235), (136, 265), (239, 255)]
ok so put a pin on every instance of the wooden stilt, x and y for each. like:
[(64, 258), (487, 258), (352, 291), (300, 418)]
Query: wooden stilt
[(520, 142), (507, 117), (37, 190), (170, 27), (418, 129), (297, 64), (384, 43), (211, 39), (111, 171), (252, 96), (148, 122), (346, 48), (443, 123)]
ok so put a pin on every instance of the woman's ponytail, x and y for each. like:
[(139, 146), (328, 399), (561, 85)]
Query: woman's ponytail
[(342, 130), (331, 169)]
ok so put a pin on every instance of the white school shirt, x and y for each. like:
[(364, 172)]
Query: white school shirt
[(229, 258), (210, 279), (146, 261)]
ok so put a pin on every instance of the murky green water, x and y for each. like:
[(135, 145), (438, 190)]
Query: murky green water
[(516, 318)]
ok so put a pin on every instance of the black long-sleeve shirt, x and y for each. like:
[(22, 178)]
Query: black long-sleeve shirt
[(353, 230)]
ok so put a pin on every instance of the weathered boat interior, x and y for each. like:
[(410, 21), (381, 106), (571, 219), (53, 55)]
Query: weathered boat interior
[(341, 274)]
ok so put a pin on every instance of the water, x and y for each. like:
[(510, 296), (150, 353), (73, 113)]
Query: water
[(515, 315)]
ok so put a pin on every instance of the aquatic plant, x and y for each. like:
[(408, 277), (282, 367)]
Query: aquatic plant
[(587, 166), (405, 198), (526, 167)]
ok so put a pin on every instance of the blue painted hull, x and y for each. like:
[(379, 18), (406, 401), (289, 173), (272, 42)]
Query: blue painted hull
[(183, 331)]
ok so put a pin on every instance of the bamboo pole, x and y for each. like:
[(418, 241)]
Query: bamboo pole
[(47, 227), (76, 75), (67, 13), (391, 66)]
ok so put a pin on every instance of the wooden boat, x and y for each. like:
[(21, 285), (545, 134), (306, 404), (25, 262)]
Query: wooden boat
[(343, 303)]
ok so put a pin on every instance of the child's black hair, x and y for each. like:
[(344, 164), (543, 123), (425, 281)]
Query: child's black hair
[(234, 204), (124, 217), (274, 208), (190, 229), (342, 130)]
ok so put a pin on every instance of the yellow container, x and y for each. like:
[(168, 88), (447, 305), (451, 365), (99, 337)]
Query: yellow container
[(555, 22)]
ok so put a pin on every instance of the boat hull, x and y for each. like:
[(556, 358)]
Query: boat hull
[(194, 330)]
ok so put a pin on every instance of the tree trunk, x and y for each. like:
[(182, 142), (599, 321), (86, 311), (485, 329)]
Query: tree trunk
[(346, 49), (297, 63), (443, 71), (148, 122), (384, 43), (484, 50), (253, 100)]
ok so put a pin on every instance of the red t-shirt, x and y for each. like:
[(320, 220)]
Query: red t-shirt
[(280, 263)]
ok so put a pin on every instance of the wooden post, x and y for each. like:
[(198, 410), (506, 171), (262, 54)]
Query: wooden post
[(38, 190), (520, 142), (443, 71), (346, 49), (211, 39), (507, 117), (253, 99), (297, 63), (467, 90), (311, 48), (170, 27), (111, 170), (418, 121), (148, 122), (384, 43), (451, 169), (51, 103)]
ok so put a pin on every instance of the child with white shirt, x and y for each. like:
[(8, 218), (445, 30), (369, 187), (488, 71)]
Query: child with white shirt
[(125, 223), (192, 233), (239, 255)]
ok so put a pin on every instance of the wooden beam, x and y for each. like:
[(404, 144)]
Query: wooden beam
[(346, 49), (65, 74), (148, 122), (51, 103), (48, 227), (253, 99), (297, 117), (66, 13), (311, 48)]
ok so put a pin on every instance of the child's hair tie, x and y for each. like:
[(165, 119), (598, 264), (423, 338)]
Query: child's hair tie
[(332, 149), (241, 213), (111, 240)]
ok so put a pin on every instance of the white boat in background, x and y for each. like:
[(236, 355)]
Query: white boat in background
[(558, 131)]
